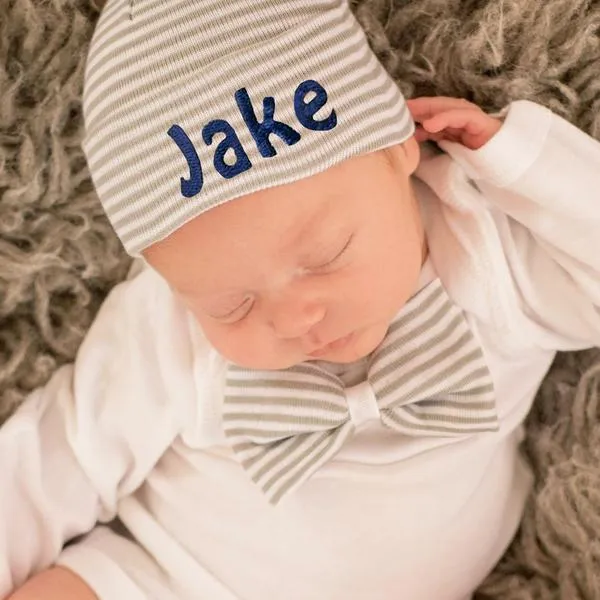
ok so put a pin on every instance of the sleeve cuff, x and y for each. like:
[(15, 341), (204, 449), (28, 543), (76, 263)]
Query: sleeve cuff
[(100, 573), (512, 151)]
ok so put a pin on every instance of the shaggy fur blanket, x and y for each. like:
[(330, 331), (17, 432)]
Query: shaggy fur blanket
[(59, 257)]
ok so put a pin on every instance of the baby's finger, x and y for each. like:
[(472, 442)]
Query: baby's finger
[(423, 136), (426, 107), (467, 119)]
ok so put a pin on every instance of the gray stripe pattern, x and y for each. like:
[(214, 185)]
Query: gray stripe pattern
[(429, 377), (153, 64)]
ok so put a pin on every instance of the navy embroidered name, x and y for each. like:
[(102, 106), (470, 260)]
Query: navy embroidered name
[(260, 131)]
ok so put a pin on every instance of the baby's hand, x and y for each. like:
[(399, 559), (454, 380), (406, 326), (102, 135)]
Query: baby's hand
[(454, 120)]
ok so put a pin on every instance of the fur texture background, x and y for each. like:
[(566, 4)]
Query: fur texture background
[(59, 257)]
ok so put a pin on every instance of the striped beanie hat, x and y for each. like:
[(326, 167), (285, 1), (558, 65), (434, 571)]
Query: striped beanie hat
[(191, 103)]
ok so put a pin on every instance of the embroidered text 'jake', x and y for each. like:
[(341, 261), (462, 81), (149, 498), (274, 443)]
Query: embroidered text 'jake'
[(305, 113)]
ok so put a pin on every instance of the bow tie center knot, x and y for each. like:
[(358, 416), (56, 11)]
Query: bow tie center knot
[(362, 404)]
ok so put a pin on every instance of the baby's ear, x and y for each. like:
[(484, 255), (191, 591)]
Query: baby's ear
[(405, 157), (412, 153)]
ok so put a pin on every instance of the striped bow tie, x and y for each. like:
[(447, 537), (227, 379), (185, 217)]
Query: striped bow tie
[(427, 378)]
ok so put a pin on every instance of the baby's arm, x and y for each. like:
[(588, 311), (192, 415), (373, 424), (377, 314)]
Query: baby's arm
[(540, 177), (94, 432), (56, 583)]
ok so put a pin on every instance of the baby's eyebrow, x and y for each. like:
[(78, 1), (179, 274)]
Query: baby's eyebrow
[(227, 296), (188, 290), (313, 228), (313, 235)]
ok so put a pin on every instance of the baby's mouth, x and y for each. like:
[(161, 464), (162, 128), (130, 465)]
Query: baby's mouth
[(331, 347)]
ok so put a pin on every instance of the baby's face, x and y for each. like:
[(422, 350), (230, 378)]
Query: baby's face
[(315, 269)]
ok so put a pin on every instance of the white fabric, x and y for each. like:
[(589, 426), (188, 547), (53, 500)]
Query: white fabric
[(133, 428)]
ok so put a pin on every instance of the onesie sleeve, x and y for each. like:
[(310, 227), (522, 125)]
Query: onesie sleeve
[(93, 433), (540, 178)]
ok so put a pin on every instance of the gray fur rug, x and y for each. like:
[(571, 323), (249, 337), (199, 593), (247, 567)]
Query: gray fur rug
[(59, 258)]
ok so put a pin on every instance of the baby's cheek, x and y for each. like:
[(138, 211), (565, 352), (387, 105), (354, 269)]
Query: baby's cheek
[(247, 345), (230, 340)]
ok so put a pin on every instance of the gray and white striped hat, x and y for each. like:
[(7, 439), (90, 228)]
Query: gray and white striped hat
[(191, 103)]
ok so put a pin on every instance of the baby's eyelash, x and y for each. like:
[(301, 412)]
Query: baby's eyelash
[(232, 313), (336, 257)]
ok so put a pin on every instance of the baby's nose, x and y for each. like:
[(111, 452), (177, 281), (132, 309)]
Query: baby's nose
[(292, 320)]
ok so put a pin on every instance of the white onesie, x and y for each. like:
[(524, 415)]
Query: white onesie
[(134, 430)]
